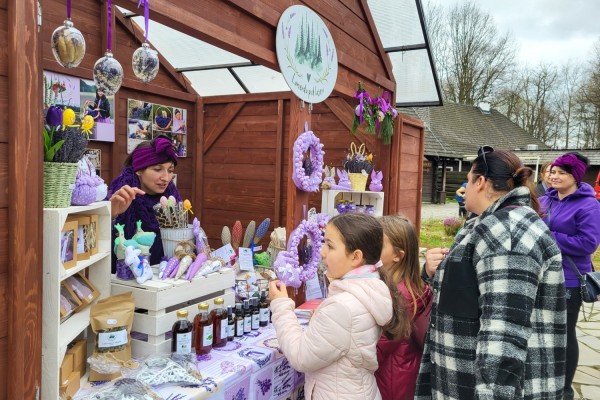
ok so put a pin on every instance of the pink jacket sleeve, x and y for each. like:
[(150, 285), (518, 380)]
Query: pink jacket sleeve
[(325, 340)]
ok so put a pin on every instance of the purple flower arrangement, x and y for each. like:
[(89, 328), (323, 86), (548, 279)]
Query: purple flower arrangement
[(452, 225), (377, 112)]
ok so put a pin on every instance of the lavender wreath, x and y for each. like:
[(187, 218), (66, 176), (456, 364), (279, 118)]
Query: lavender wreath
[(287, 265), (308, 172)]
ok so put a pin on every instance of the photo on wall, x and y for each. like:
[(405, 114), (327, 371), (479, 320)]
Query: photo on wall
[(81, 96), (100, 107), (146, 120)]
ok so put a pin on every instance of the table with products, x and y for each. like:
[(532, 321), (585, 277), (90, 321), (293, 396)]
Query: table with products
[(248, 368)]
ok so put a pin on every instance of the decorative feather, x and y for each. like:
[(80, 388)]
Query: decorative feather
[(249, 233), (261, 230), (236, 235), (225, 235)]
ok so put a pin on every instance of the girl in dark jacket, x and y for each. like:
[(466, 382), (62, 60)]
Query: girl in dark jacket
[(399, 360)]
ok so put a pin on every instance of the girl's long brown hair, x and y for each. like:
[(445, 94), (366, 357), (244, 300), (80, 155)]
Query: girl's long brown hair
[(403, 237), (364, 232)]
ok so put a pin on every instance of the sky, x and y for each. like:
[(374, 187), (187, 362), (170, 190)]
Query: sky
[(546, 31)]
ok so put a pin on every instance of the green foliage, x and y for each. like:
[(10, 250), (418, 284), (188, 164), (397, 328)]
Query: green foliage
[(434, 235), (50, 148)]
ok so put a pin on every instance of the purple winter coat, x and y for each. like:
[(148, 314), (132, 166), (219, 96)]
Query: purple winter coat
[(575, 224)]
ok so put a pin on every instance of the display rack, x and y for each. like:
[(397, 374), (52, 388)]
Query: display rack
[(329, 199), (56, 335)]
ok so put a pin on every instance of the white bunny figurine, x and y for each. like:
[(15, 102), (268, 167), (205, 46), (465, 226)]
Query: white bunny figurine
[(376, 178), (344, 182), (329, 180)]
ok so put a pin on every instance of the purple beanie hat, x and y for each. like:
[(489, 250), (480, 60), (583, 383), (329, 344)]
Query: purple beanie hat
[(570, 163), (160, 152)]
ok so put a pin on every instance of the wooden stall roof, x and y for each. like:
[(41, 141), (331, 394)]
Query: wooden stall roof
[(247, 28)]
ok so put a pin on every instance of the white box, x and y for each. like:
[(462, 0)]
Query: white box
[(157, 302)]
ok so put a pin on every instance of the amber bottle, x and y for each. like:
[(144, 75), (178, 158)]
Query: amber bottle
[(255, 314), (239, 320), (263, 309), (219, 321), (230, 324), (203, 330), (181, 340), (247, 316)]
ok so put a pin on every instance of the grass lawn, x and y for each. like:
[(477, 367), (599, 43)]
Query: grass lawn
[(433, 235)]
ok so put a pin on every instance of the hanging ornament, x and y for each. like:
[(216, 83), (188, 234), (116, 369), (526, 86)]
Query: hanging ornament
[(108, 73), (145, 63), (145, 60), (67, 42)]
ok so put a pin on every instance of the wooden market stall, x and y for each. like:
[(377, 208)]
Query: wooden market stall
[(238, 146)]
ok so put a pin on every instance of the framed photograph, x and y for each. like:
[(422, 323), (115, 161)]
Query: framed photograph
[(68, 244), (82, 288), (83, 229), (91, 238), (69, 303)]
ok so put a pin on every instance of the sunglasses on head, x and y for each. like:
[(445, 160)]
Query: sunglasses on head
[(483, 150)]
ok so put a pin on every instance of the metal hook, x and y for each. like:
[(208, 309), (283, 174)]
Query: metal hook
[(310, 106), (302, 104)]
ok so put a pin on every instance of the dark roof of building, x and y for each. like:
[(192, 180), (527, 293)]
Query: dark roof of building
[(531, 157), (457, 130)]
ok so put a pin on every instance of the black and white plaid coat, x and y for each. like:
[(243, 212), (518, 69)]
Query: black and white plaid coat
[(498, 322)]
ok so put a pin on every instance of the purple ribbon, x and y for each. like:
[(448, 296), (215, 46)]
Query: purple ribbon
[(68, 9), (146, 16), (109, 13), (360, 96)]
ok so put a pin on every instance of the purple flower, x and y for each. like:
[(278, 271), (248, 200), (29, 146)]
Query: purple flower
[(54, 116)]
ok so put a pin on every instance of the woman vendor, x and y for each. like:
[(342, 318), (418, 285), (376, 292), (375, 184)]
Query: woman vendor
[(145, 178)]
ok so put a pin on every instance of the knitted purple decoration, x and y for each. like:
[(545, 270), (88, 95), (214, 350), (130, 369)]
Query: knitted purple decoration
[(141, 209), (576, 167), (123, 271)]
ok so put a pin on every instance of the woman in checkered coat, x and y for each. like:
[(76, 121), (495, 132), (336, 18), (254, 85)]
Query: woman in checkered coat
[(498, 322)]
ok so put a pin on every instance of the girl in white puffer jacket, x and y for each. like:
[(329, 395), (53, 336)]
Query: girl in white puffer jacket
[(337, 351)]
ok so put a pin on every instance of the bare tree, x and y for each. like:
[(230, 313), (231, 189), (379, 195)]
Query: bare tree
[(471, 57), (568, 89), (589, 102)]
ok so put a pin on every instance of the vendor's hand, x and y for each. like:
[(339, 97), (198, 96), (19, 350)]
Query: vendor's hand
[(277, 290), (122, 198), (433, 258)]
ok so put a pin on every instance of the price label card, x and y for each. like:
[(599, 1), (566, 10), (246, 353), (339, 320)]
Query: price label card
[(245, 255), (226, 253)]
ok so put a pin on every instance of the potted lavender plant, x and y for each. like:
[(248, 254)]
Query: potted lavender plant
[(64, 145)]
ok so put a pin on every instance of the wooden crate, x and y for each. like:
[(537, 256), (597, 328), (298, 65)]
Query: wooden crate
[(157, 302)]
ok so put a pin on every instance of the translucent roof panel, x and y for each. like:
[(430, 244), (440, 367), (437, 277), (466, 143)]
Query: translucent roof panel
[(184, 52), (259, 79), (397, 22), (415, 84), (214, 82)]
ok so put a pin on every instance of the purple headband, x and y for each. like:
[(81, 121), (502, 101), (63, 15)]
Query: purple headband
[(160, 152), (574, 165)]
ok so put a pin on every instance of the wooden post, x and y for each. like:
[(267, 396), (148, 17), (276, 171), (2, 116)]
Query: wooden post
[(25, 155), (297, 200)]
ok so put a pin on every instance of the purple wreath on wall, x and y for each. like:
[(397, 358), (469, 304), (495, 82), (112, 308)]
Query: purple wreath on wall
[(308, 172)]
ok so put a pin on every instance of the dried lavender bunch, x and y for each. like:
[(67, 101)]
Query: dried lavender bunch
[(74, 146)]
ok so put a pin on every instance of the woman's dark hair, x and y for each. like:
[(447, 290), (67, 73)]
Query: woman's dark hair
[(364, 232), (505, 171), (146, 143)]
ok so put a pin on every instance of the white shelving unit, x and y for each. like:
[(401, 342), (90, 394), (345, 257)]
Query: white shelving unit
[(56, 335), (330, 198)]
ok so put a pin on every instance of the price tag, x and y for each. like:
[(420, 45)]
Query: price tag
[(226, 253), (245, 255)]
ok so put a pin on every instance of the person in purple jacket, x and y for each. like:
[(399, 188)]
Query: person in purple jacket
[(573, 215)]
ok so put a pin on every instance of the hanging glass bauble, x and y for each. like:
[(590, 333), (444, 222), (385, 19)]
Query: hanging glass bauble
[(145, 63), (108, 74), (68, 45)]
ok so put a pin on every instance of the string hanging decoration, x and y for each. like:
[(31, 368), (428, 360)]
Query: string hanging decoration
[(145, 61), (68, 43), (108, 72)]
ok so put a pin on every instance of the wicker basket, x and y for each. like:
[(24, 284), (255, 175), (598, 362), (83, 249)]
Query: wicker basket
[(358, 181), (59, 179)]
